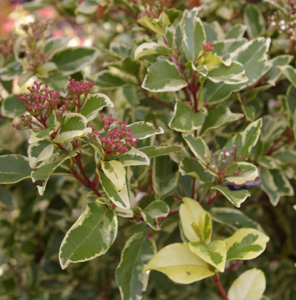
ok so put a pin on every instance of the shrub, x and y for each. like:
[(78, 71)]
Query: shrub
[(163, 142)]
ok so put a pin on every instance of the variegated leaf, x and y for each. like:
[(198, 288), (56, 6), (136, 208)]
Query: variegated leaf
[(163, 76), (90, 236), (93, 104), (39, 151), (195, 221), (179, 264), (134, 157), (245, 244), (185, 120), (153, 211), (137, 252), (250, 285), (236, 197), (73, 125), (213, 253), (14, 168), (119, 197)]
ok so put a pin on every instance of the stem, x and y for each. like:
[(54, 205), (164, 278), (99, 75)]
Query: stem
[(275, 146), (215, 278), (174, 60)]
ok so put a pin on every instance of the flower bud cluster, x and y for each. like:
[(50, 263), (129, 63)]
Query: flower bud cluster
[(116, 140), (40, 102), (207, 47), (25, 122), (76, 89)]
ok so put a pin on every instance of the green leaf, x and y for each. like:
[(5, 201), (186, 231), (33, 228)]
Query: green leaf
[(179, 264), (191, 166), (236, 32), (213, 253), (252, 55), (142, 130), (196, 222), (163, 76), (90, 236), (14, 168), (234, 218), (228, 74), (150, 49), (244, 140), (55, 44), (193, 35), (153, 151), (10, 71), (115, 171), (73, 125), (119, 197), (254, 20), (236, 197), (137, 252), (153, 211), (12, 107), (268, 162), (127, 65), (185, 120), (272, 68), (225, 47), (200, 149), (250, 285), (57, 81), (246, 172), (108, 80), (290, 73), (134, 157), (47, 168), (156, 25), (245, 244), (95, 103), (165, 176), (39, 151), (275, 184), (72, 60), (218, 117)]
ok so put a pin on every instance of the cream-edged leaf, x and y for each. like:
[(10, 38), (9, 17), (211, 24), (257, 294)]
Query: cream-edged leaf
[(163, 76), (250, 285), (195, 221), (90, 236), (115, 171), (245, 244), (179, 264), (213, 253)]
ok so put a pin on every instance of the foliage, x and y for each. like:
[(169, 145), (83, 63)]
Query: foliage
[(164, 147)]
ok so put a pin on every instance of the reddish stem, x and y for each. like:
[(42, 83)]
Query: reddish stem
[(276, 144), (215, 278)]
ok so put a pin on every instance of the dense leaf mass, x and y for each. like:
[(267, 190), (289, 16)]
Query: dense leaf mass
[(155, 151)]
